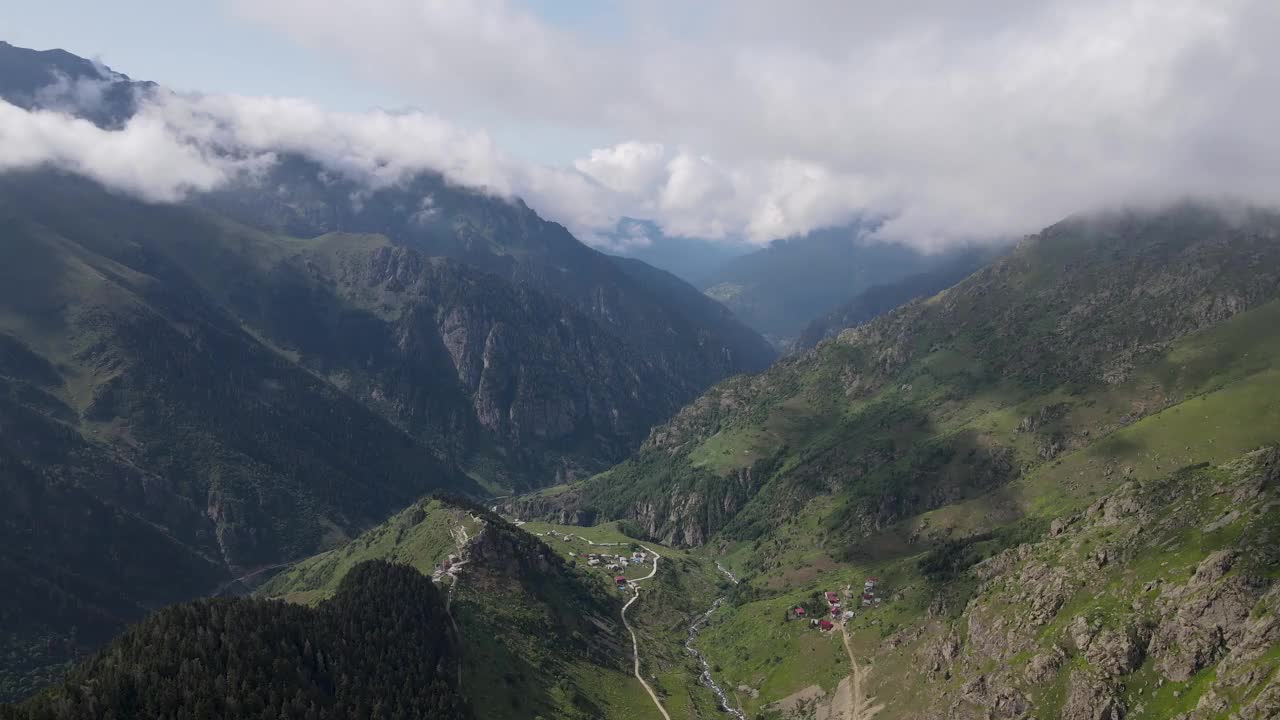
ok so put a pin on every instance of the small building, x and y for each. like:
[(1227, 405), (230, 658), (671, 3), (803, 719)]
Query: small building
[(825, 625), (800, 612), (621, 580), (848, 614), (613, 566), (832, 597), (593, 561), (835, 611)]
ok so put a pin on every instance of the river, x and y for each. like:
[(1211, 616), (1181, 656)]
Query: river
[(706, 677)]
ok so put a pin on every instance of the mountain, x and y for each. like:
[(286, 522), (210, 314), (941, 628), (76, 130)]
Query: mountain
[(685, 335), (300, 197), (190, 395), (779, 289), (540, 635), (1038, 492), (690, 259), (918, 407), (880, 299), (382, 646), (58, 80), (247, 397)]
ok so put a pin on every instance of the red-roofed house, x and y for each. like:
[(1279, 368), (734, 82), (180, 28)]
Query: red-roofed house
[(832, 597), (825, 625), (621, 580), (835, 611), (800, 612)]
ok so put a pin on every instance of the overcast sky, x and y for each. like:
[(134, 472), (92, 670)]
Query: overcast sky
[(733, 119)]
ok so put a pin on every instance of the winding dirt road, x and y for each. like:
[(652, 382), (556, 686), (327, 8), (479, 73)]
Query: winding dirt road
[(635, 645), (861, 707)]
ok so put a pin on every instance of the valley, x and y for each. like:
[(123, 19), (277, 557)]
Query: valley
[(311, 414)]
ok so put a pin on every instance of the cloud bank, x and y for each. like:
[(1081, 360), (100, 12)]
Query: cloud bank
[(742, 120), (757, 118)]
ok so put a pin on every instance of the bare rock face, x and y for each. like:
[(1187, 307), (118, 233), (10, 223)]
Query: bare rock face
[(1203, 618), (939, 655), (1044, 666), (999, 699), (1265, 706), (1091, 698)]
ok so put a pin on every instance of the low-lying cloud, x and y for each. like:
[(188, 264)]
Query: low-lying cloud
[(954, 121), (178, 144), (756, 118), (145, 158)]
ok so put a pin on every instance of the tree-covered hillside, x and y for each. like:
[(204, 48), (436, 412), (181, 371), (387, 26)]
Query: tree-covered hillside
[(381, 647), (539, 636)]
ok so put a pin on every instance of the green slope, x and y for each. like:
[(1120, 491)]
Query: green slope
[(1095, 361), (1044, 352), (540, 636), (1156, 600)]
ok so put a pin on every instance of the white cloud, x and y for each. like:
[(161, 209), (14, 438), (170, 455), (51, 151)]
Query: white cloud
[(629, 167), (144, 158), (753, 121), (959, 119)]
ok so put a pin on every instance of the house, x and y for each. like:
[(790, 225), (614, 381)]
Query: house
[(835, 611), (848, 614), (832, 597), (621, 580), (593, 561), (613, 566), (871, 583), (800, 612), (825, 625)]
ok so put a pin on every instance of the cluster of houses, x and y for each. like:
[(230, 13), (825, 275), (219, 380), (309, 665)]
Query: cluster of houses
[(869, 596), (836, 608), (617, 562)]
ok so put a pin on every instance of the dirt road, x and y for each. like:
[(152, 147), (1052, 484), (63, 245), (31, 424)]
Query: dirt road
[(635, 645), (860, 707)]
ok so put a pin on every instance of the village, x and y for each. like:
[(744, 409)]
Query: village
[(624, 561), (838, 609)]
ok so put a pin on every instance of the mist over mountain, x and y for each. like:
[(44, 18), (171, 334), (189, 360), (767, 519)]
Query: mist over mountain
[(690, 259), (778, 290)]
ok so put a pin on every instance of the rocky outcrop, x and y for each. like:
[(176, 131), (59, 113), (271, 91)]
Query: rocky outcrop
[(1090, 698), (1106, 616), (1203, 618)]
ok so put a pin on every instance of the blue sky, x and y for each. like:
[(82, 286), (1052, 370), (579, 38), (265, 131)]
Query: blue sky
[(190, 45)]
